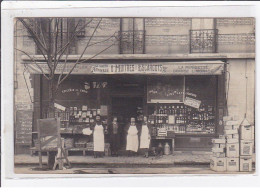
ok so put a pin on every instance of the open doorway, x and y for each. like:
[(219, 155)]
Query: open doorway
[(125, 108)]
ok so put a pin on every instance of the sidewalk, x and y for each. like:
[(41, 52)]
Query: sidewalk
[(176, 158)]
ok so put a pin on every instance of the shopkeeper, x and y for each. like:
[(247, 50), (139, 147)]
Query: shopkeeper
[(98, 137), (132, 143), (145, 137), (113, 129)]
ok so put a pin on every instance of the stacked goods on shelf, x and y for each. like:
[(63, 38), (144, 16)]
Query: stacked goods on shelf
[(231, 132), (90, 146), (180, 118), (246, 146), (69, 142)]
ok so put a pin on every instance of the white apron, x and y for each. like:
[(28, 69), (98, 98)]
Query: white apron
[(98, 138), (145, 137), (132, 139)]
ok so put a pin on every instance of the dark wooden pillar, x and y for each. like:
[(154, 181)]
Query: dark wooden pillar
[(221, 103)]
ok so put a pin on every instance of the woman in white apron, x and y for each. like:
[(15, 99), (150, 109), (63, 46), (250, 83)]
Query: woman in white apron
[(145, 137), (132, 137), (98, 137)]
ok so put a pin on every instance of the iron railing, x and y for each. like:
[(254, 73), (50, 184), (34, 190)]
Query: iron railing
[(132, 42), (203, 41)]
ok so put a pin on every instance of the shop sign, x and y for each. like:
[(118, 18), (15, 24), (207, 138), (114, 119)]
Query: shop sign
[(175, 68), (192, 102)]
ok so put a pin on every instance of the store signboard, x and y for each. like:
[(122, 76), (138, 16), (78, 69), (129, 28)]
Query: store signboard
[(161, 68), (192, 102)]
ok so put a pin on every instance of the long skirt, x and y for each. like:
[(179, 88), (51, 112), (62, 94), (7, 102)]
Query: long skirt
[(132, 143), (99, 139)]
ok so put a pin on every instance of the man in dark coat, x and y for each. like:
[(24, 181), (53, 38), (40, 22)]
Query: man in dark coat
[(113, 129)]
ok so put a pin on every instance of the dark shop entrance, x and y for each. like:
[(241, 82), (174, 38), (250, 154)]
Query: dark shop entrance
[(124, 108)]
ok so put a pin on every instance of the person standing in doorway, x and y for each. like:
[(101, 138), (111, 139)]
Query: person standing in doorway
[(145, 137), (113, 129), (132, 137), (98, 137)]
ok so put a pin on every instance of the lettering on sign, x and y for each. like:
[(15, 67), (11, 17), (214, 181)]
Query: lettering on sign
[(24, 127), (192, 102), (167, 68)]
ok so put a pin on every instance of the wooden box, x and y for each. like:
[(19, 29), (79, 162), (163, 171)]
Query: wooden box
[(232, 150), (218, 164), (232, 164), (246, 147), (232, 140), (247, 132), (245, 163), (219, 141)]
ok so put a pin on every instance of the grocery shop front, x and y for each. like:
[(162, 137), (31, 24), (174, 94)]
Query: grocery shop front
[(184, 101)]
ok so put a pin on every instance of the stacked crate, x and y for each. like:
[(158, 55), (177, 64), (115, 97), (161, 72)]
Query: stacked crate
[(218, 159), (226, 148), (232, 152), (232, 143), (246, 146)]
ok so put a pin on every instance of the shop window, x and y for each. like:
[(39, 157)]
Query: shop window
[(191, 108)]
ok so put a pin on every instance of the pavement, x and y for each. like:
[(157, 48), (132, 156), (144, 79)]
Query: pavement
[(193, 162), (127, 170), (192, 157)]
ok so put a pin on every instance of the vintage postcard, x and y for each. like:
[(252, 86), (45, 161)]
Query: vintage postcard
[(114, 95), (134, 95)]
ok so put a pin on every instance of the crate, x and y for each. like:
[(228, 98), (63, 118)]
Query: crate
[(219, 141), (227, 118), (233, 123), (222, 137), (247, 132), (219, 154), (232, 150), (232, 164), (216, 145), (80, 145), (246, 147), (232, 140), (222, 145), (217, 150), (229, 136), (218, 164), (245, 163), (231, 132), (235, 136)]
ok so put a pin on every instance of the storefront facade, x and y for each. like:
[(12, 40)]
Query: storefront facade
[(184, 101), (184, 96)]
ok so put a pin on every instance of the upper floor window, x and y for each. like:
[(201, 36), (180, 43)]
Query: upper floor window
[(203, 41), (132, 36)]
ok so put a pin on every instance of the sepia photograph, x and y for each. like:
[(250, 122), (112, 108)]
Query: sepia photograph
[(151, 95), (134, 95)]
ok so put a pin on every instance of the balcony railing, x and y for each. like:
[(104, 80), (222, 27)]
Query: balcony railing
[(132, 42), (137, 42), (203, 41)]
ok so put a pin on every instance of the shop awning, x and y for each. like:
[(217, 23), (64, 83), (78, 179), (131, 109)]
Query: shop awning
[(151, 68)]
